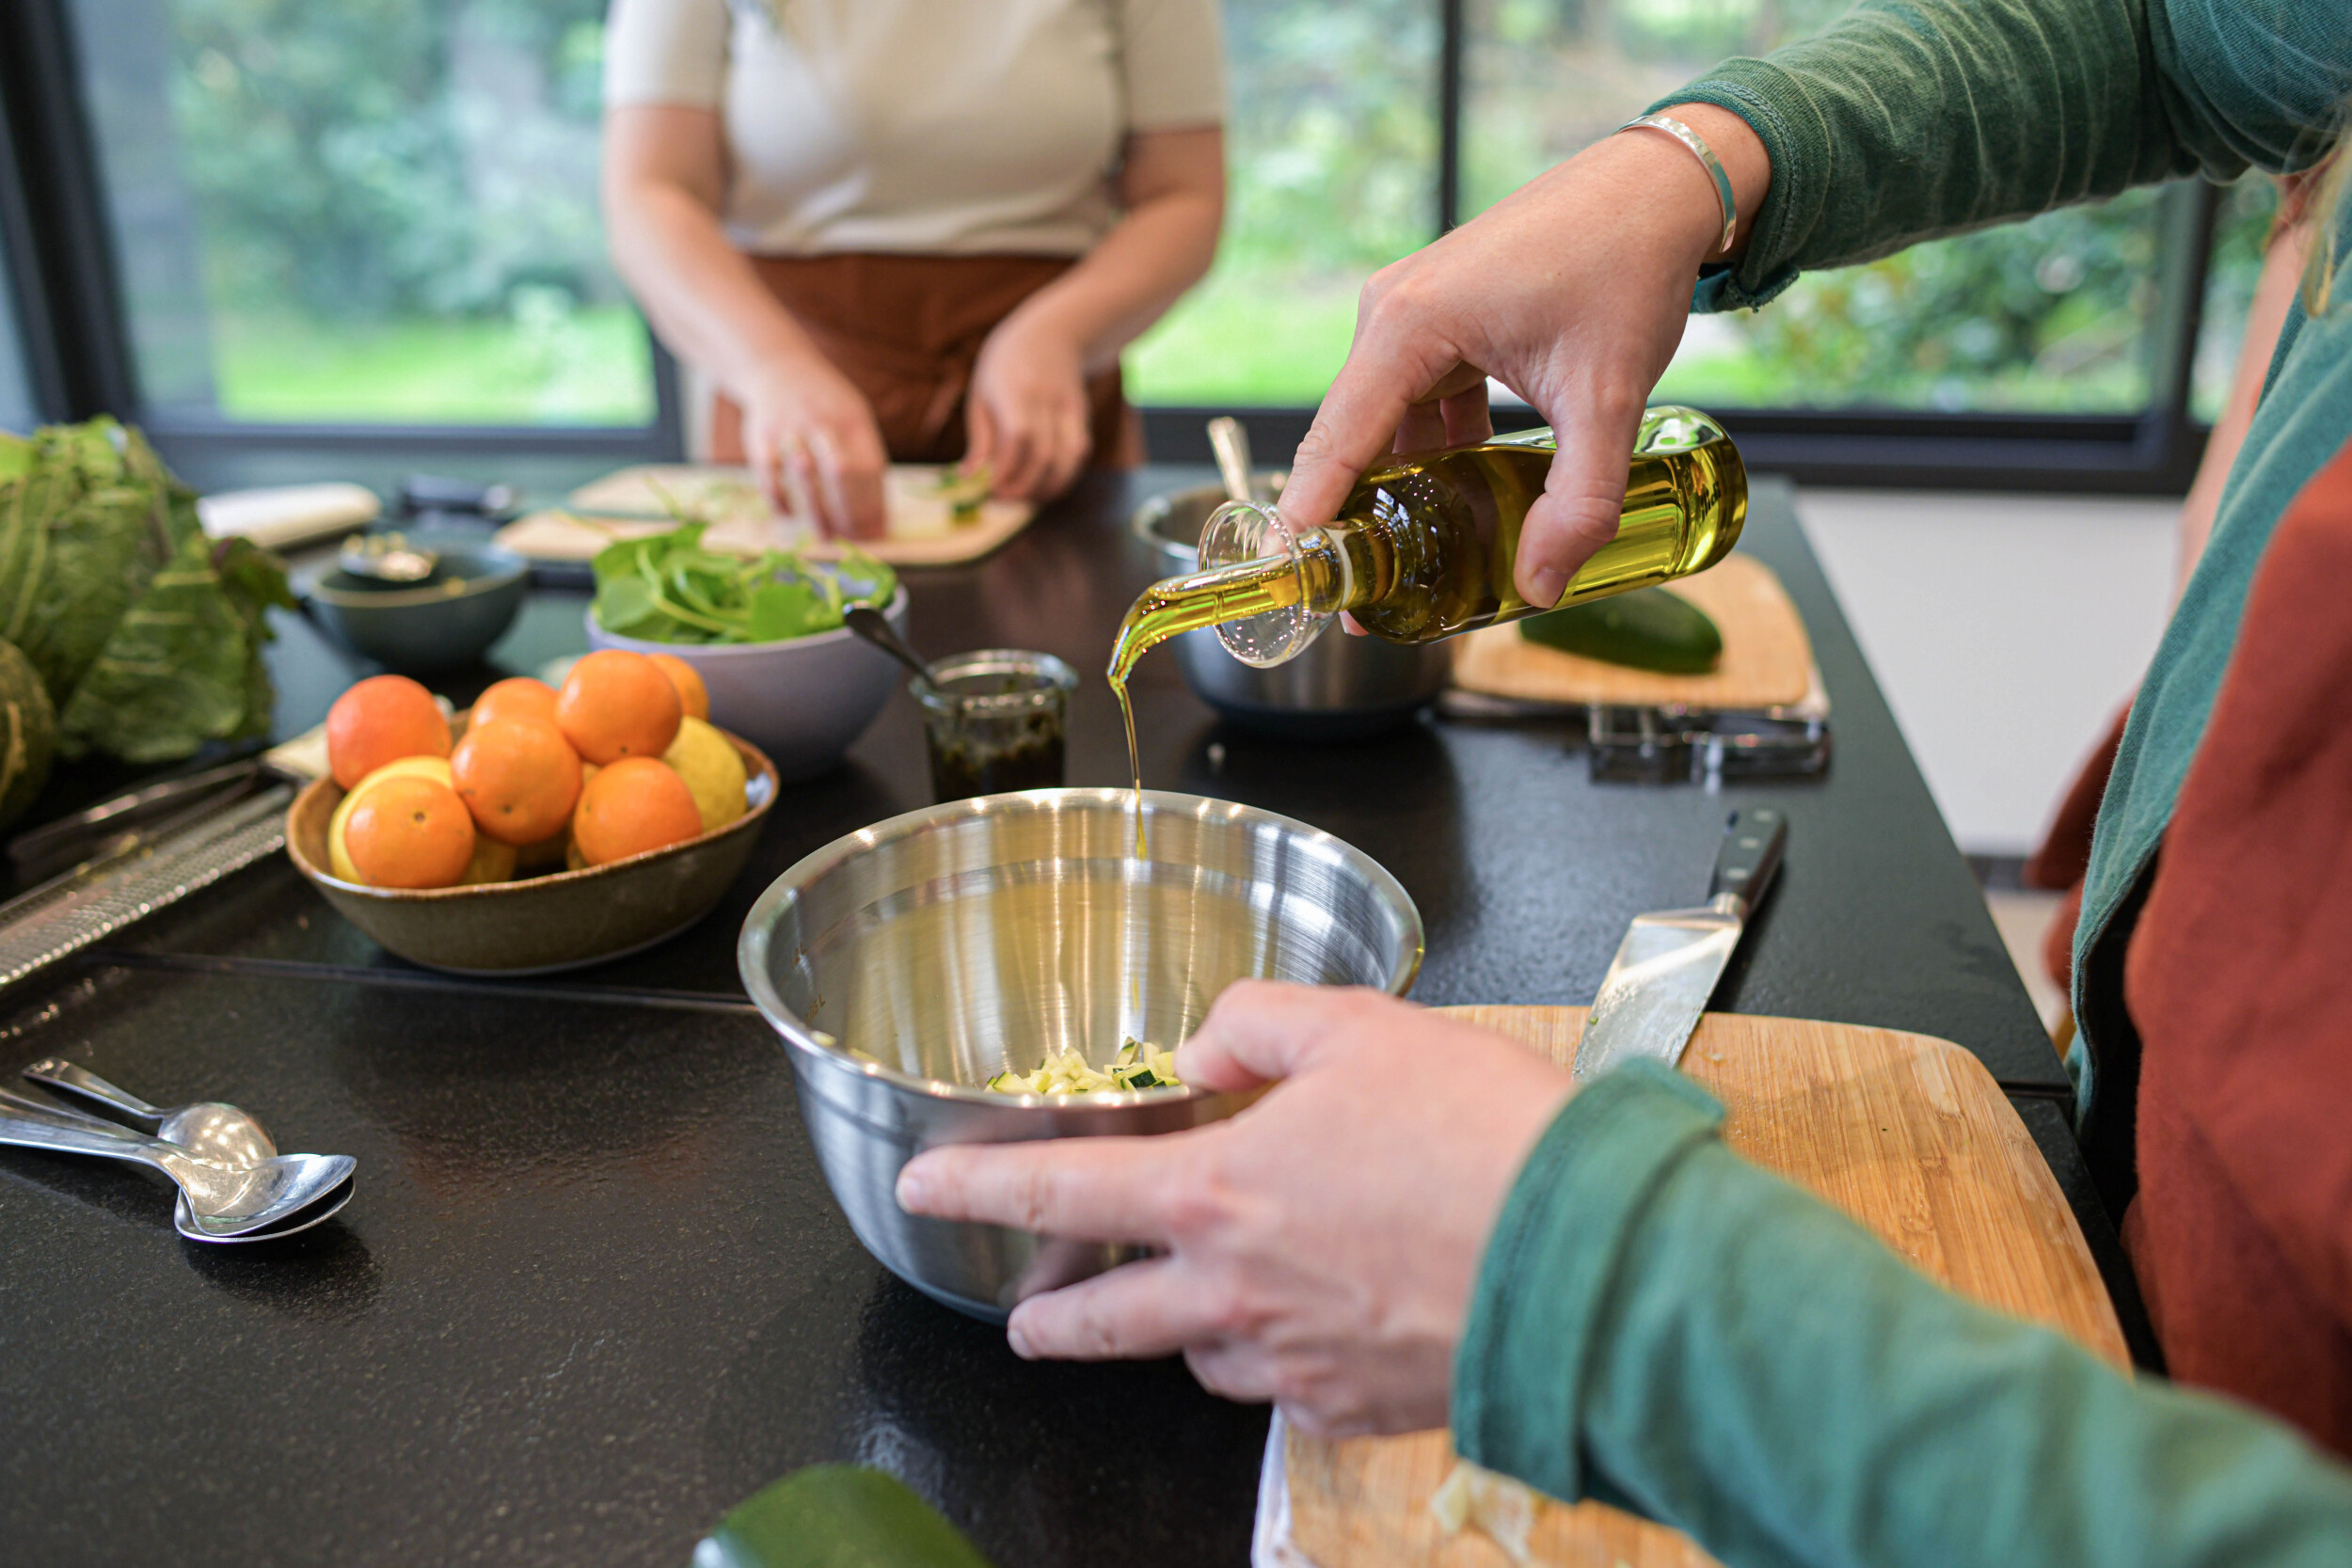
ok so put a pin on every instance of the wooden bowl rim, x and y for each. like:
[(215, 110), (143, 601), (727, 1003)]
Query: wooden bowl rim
[(759, 766)]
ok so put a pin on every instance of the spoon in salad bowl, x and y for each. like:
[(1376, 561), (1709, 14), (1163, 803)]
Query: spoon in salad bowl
[(218, 1203), (210, 1130), (871, 625)]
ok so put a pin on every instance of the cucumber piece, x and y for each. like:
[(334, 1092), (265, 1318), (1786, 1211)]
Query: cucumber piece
[(1647, 630), (837, 1516)]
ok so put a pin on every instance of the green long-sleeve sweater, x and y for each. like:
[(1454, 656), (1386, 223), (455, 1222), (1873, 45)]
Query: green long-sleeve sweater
[(1659, 1324), (1913, 118)]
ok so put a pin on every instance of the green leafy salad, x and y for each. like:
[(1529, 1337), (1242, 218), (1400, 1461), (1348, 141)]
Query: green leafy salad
[(667, 588), (1140, 1066), (145, 635)]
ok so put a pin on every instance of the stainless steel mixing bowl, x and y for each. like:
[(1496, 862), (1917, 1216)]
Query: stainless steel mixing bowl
[(907, 963), (1341, 686)]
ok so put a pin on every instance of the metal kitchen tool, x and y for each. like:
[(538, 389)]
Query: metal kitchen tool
[(387, 557), (277, 1198), (871, 625), (94, 900), (1667, 966), (208, 1128), (1231, 443), (1654, 745), (116, 825)]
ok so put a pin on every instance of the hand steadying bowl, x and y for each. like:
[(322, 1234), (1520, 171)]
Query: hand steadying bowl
[(907, 963)]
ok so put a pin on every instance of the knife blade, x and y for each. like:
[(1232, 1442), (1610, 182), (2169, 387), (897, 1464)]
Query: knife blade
[(1670, 960)]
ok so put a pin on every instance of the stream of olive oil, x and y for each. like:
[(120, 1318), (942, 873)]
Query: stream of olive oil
[(1185, 603)]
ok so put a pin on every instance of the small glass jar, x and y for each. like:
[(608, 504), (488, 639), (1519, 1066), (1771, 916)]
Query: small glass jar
[(994, 722)]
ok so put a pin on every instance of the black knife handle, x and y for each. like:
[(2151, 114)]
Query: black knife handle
[(1753, 841)]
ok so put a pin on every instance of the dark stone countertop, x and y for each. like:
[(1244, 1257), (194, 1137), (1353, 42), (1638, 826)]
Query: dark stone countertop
[(593, 1290)]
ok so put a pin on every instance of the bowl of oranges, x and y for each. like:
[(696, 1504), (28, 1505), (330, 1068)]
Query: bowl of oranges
[(543, 828)]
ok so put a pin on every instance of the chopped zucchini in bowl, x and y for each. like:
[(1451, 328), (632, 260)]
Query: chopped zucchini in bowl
[(1140, 1065)]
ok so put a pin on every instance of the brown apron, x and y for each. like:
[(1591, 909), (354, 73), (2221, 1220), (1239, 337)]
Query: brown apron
[(906, 330)]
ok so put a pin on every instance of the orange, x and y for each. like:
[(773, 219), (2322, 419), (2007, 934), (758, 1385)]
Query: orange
[(638, 803), (515, 697), (519, 777), (618, 704), (688, 681), (338, 851), (383, 718), (409, 832)]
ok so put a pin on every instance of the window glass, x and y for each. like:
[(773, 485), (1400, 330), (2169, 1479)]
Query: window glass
[(16, 382), (2045, 316), (372, 211), (1331, 150), (2240, 229)]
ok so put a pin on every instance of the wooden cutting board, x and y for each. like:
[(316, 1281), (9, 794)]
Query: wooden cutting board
[(644, 499), (1907, 1133), (1767, 662)]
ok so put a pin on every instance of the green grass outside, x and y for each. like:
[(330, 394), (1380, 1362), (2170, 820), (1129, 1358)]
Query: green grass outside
[(1242, 340), (584, 366)]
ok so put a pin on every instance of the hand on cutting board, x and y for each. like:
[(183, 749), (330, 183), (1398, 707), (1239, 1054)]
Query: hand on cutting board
[(1319, 1247), (814, 446), (1026, 418), (1572, 291)]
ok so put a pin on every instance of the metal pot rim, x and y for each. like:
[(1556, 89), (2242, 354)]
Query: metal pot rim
[(809, 1049)]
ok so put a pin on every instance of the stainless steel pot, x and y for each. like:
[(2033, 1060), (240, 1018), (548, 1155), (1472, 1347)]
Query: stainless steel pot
[(1340, 687), (907, 963)]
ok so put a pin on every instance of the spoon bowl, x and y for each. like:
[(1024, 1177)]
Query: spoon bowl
[(218, 1134), (267, 1199)]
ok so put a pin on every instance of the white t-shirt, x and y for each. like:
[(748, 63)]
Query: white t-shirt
[(941, 127)]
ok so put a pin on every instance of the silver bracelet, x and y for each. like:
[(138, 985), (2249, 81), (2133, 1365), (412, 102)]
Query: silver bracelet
[(1706, 155)]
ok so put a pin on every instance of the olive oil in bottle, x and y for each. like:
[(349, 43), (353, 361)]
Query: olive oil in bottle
[(1424, 544)]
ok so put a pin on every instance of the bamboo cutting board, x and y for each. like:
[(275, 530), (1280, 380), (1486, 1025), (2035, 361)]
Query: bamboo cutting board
[(645, 500), (1767, 661), (1907, 1133)]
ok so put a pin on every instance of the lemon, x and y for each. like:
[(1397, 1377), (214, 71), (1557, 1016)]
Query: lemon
[(713, 771), (338, 857), (492, 861)]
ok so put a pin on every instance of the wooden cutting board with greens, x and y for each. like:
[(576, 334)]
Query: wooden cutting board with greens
[(129, 633)]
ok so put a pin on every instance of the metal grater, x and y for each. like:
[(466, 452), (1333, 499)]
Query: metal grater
[(83, 907)]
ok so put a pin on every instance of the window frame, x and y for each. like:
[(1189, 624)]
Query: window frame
[(59, 245)]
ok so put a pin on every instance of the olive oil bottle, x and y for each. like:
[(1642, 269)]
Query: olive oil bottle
[(1424, 544)]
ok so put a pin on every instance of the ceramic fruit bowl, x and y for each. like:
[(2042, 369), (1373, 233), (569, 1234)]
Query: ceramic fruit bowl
[(559, 920)]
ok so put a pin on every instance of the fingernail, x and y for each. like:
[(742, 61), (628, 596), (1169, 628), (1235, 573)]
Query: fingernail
[(914, 1189), (1548, 584), (1018, 1338)]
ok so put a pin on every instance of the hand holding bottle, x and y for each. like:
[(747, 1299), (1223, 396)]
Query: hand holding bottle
[(1572, 291)]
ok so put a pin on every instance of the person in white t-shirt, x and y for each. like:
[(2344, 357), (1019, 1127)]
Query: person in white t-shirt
[(918, 230)]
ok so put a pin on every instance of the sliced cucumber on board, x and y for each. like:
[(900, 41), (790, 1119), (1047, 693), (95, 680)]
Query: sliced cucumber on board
[(1647, 630)]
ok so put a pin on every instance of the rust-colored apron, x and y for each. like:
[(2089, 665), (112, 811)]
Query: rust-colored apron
[(906, 331)]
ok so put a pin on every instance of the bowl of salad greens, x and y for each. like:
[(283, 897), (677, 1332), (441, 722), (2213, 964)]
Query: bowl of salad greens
[(764, 632)]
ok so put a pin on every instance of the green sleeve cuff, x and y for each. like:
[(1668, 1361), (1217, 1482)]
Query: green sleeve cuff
[(1765, 268), (1519, 1370)]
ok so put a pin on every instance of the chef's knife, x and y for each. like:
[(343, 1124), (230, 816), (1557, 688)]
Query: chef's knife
[(1667, 966)]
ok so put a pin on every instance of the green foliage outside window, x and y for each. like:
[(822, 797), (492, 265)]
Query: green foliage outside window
[(395, 205), (397, 208)]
